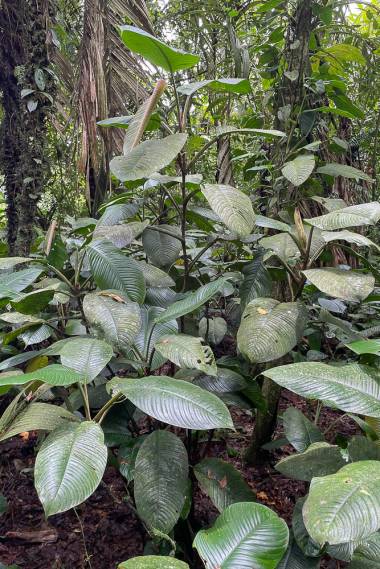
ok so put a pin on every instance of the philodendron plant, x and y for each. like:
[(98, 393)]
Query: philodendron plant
[(118, 318)]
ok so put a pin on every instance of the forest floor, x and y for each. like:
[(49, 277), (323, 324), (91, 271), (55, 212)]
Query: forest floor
[(105, 531)]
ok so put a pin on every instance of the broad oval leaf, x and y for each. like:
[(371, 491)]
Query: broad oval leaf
[(12, 283), (344, 506), (55, 375), (192, 301), (351, 216), (153, 562), (187, 352), (232, 206), (347, 285), (33, 302), (270, 329), (213, 330), (335, 169), (225, 85), (175, 402), (350, 237), (156, 51), (282, 245), (257, 281), (222, 483), (114, 317), (262, 221), (113, 270), (154, 276), (147, 157), (299, 170), (162, 247), (116, 213), (245, 535), (319, 459), (37, 417), (299, 430), (151, 332), (354, 388), (69, 466), (120, 235), (161, 472), (87, 356)]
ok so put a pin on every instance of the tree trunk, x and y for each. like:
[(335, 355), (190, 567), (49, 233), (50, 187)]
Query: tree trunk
[(27, 99)]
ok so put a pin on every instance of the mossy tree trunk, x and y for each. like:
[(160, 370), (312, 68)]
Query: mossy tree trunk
[(27, 97)]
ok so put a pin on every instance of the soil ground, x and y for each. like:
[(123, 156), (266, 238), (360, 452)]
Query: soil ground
[(105, 531)]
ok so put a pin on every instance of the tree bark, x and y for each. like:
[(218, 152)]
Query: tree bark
[(27, 90)]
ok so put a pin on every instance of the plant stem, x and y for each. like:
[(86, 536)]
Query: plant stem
[(102, 412)]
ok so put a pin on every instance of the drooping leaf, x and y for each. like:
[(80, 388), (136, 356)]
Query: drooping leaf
[(262, 221), (87, 356), (350, 237), (156, 51), (222, 483), (175, 402), (33, 302), (245, 535), (187, 352), (34, 335), (295, 559), (151, 332), (113, 270), (213, 330), (299, 170), (270, 329), (37, 417), (344, 506), (147, 157), (120, 235), (162, 247), (299, 430), (12, 283), (69, 466), (153, 562), (223, 85), (347, 285), (351, 216), (161, 472), (7, 263), (54, 374), (365, 346), (113, 317), (319, 459), (117, 213), (336, 169), (226, 381), (155, 276), (18, 359), (192, 301), (232, 206), (352, 387), (257, 281)]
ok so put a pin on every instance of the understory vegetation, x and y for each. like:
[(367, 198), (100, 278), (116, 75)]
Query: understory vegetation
[(189, 228)]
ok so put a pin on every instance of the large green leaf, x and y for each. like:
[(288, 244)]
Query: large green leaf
[(244, 536), (222, 483), (147, 157), (232, 206), (162, 247), (120, 235), (344, 506), (116, 213), (270, 329), (367, 554), (257, 281), (299, 170), (319, 459), (153, 562), (37, 417), (282, 245), (299, 431), (113, 317), (155, 276), (54, 374), (151, 332), (301, 536), (187, 352), (354, 388), (351, 216), (350, 237), (69, 466), (33, 302), (18, 359), (335, 169), (213, 330), (339, 283), (175, 402), (361, 448), (156, 51), (12, 283), (87, 356), (192, 301), (262, 221), (7, 263), (161, 471), (224, 85), (113, 270)]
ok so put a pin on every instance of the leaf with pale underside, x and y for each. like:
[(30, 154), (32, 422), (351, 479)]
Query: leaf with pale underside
[(232, 206), (347, 285), (351, 216), (162, 246), (120, 235), (187, 352), (297, 171), (335, 169), (175, 402), (237, 86), (153, 562)]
